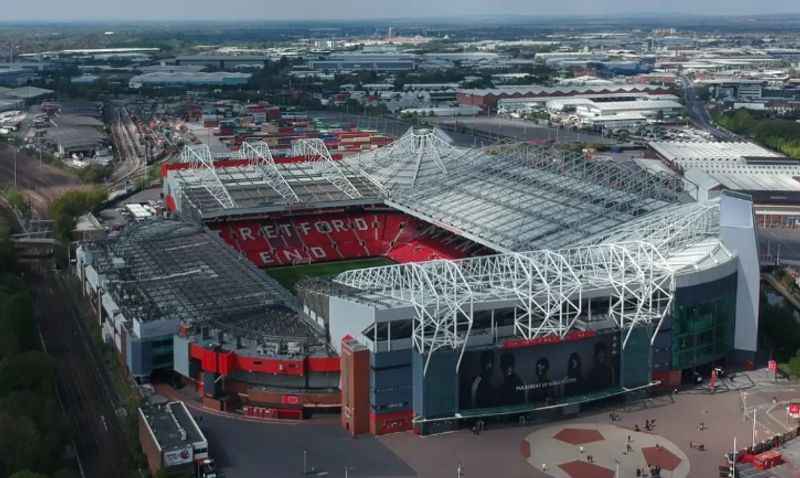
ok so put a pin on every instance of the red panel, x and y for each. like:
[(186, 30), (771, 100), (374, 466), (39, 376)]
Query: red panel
[(383, 423), (209, 361), (171, 203), (550, 339), (196, 352), (290, 400), (323, 364), (226, 362), (273, 366)]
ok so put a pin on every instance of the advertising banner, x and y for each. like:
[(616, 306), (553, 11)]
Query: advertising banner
[(540, 374), (178, 457)]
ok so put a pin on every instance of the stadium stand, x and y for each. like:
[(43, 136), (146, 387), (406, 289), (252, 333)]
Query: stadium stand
[(346, 235)]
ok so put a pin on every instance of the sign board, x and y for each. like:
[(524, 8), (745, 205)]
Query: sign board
[(772, 365), (794, 410), (178, 457)]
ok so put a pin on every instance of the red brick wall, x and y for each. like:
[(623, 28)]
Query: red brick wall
[(149, 447), (355, 388)]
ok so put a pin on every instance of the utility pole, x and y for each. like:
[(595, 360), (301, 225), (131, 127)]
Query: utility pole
[(754, 427), (15, 165)]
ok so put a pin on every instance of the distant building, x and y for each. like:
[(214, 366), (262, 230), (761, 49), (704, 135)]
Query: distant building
[(367, 62), (13, 76), (163, 79), (443, 111), (488, 98)]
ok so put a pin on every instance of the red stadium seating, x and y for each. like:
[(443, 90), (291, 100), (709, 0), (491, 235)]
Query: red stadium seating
[(336, 236)]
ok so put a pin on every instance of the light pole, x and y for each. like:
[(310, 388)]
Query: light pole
[(305, 462), (459, 471), (754, 427)]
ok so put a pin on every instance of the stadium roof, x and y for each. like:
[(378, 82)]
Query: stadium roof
[(163, 269), (509, 198), (262, 185), (525, 197), (634, 264)]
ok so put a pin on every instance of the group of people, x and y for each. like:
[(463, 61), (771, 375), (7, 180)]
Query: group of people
[(649, 425), (655, 472)]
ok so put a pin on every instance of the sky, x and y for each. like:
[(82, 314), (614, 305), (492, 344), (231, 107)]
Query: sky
[(47, 10)]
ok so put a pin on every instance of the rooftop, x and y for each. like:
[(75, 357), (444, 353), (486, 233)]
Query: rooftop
[(172, 426), (509, 198), (163, 269)]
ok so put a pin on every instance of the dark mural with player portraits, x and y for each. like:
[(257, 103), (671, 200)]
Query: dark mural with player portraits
[(540, 374)]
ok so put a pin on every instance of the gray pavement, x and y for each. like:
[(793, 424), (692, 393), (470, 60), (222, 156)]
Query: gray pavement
[(245, 449)]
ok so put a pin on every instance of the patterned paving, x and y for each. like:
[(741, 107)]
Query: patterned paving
[(597, 450)]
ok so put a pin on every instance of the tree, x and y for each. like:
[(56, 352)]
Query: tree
[(16, 443), (27, 474), (17, 332), (71, 205), (33, 370)]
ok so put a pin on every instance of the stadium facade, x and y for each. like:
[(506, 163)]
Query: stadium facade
[(527, 280)]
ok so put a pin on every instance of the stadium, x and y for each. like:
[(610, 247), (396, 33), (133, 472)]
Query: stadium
[(455, 283)]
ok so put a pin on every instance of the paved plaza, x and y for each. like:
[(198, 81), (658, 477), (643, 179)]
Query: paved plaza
[(602, 450)]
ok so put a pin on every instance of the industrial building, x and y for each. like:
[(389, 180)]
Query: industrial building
[(171, 439), (342, 62), (189, 79), (768, 177), (487, 99), (612, 280)]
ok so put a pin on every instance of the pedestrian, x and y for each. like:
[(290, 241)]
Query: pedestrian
[(580, 449), (629, 448), (636, 428), (629, 438), (691, 444), (544, 467)]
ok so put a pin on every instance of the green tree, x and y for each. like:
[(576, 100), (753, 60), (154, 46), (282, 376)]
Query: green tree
[(17, 332), (18, 450), (71, 205), (27, 474), (33, 370)]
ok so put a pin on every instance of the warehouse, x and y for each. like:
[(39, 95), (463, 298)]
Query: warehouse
[(170, 79), (488, 98), (769, 177)]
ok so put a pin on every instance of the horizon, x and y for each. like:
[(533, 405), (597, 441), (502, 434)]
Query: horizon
[(93, 11)]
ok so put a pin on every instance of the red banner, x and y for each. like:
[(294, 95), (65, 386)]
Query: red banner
[(550, 339)]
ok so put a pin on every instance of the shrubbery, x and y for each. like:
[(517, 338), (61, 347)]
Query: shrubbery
[(779, 134), (66, 209)]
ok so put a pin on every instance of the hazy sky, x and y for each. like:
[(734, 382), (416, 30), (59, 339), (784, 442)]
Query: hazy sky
[(361, 9)]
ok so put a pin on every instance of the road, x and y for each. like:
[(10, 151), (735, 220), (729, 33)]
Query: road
[(696, 108), (84, 384)]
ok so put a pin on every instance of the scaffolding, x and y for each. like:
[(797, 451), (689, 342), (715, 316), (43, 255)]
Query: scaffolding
[(259, 157), (545, 287), (201, 159), (171, 270), (314, 151)]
